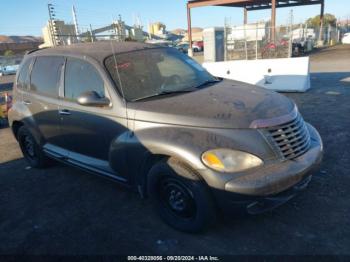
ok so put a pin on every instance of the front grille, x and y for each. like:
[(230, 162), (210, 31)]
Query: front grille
[(291, 139)]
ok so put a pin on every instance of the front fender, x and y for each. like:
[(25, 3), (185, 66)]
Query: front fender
[(187, 144)]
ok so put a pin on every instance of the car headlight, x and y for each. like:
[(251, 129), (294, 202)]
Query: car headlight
[(227, 160)]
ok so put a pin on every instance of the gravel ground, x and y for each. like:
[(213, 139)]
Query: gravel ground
[(64, 211)]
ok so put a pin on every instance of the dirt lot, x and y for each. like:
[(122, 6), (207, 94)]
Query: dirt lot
[(62, 210)]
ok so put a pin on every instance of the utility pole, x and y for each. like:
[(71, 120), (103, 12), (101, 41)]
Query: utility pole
[(75, 20), (320, 37), (52, 25), (51, 15), (290, 45), (225, 39), (91, 33), (115, 30)]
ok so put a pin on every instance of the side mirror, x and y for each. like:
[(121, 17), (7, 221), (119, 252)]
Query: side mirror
[(92, 98)]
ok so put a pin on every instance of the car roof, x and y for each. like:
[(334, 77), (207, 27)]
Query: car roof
[(97, 50)]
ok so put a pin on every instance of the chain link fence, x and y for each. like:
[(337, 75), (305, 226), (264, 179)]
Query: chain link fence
[(254, 41), (261, 41)]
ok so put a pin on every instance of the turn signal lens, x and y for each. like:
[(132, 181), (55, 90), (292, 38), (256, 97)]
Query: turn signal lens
[(227, 160), (212, 160)]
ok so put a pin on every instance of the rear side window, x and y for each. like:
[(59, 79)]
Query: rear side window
[(23, 78), (81, 77), (46, 74)]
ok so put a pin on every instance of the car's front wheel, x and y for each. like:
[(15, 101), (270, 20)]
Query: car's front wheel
[(32, 152), (180, 198)]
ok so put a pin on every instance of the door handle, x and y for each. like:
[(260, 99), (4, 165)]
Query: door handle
[(26, 102), (65, 112)]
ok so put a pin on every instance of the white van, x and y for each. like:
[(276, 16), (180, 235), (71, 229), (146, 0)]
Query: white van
[(346, 38)]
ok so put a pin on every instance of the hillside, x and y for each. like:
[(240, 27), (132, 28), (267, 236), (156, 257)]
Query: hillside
[(19, 39), (180, 31)]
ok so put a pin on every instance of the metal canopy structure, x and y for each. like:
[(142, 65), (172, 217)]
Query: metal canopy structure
[(251, 5)]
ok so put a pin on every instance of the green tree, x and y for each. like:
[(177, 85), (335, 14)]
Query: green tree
[(328, 19), (87, 38), (9, 53)]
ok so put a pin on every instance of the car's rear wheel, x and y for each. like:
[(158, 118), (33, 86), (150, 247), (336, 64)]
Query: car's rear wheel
[(180, 198), (32, 152)]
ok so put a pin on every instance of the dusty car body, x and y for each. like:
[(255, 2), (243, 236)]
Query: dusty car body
[(190, 149)]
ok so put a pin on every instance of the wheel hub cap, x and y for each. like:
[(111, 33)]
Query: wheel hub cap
[(178, 198)]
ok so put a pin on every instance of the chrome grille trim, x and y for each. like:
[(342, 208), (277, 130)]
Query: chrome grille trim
[(291, 139)]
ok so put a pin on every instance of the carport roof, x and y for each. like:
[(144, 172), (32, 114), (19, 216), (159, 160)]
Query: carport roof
[(252, 4)]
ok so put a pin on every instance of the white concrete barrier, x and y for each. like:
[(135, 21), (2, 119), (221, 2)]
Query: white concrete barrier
[(281, 74)]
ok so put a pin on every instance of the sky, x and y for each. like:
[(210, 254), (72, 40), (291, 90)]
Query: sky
[(27, 17)]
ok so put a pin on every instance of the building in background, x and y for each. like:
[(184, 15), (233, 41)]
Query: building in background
[(197, 35), (179, 32), (56, 31), (136, 33), (157, 29), (248, 32), (119, 30)]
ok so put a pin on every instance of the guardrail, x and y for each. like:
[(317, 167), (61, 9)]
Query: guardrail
[(282, 74)]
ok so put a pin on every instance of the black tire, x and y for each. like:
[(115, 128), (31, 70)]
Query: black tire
[(180, 198), (32, 152)]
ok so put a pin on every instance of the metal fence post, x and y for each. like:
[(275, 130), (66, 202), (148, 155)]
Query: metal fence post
[(225, 40), (245, 43), (256, 41), (290, 42)]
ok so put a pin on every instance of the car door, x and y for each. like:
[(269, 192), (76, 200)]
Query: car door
[(88, 131), (41, 101)]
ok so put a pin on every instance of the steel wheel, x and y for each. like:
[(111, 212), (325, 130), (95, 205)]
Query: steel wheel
[(177, 198), (180, 197), (28, 146), (32, 152)]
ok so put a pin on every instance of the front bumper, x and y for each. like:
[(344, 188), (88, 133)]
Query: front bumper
[(272, 184), (231, 203), (277, 177)]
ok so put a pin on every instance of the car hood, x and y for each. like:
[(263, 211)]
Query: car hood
[(227, 104)]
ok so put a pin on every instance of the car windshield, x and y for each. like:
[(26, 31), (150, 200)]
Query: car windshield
[(155, 72)]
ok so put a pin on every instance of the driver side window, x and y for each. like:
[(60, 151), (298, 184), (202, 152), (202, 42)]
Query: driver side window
[(81, 77)]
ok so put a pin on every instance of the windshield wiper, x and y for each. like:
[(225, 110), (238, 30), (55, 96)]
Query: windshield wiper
[(166, 92), (207, 82), (187, 90)]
